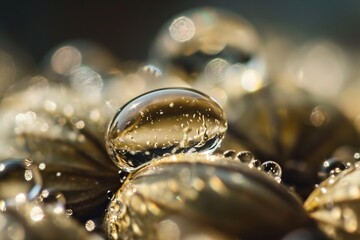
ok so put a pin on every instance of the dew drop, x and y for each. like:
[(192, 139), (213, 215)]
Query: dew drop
[(68, 212), (245, 156), (109, 194), (229, 154), (90, 225), (19, 181), (166, 126), (254, 163), (36, 214), (273, 169), (331, 167)]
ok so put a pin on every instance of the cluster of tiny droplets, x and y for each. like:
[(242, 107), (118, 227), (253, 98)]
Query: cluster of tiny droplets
[(271, 168)]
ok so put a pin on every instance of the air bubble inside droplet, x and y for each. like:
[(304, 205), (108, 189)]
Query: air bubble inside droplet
[(162, 122)]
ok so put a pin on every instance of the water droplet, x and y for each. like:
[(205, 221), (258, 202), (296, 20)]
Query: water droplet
[(90, 225), (331, 167), (254, 163), (69, 212), (229, 154), (194, 123), (272, 168), (245, 156), (109, 194), (19, 181)]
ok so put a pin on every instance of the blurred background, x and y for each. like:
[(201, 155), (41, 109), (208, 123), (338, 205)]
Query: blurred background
[(127, 28)]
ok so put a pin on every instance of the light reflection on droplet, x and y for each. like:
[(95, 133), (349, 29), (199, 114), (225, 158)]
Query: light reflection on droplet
[(65, 60), (36, 214), (182, 29)]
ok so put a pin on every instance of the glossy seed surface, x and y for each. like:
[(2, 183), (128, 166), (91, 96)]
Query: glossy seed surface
[(207, 195), (165, 121), (335, 204)]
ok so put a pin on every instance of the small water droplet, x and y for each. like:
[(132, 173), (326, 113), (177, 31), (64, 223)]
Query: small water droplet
[(19, 181), (90, 225), (245, 156), (272, 168), (175, 129), (229, 154), (36, 214), (254, 163), (68, 212), (331, 167), (109, 194)]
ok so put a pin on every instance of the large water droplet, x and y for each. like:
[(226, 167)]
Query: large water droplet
[(165, 121), (19, 181)]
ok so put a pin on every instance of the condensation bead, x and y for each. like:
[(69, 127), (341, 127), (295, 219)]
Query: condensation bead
[(165, 121), (19, 181), (245, 156), (214, 50), (273, 169), (335, 204)]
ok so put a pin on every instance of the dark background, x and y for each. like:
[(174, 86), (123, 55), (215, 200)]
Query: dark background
[(127, 28)]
